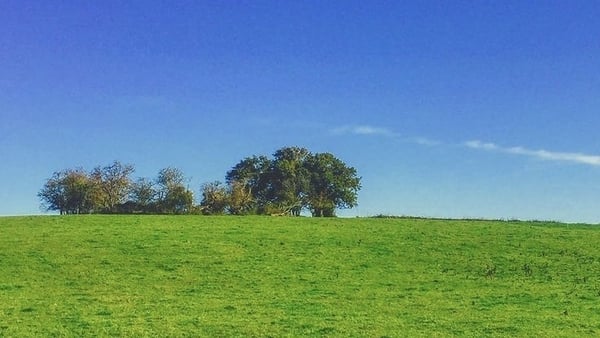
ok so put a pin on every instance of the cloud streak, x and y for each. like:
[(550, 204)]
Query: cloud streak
[(364, 130), (368, 130), (542, 154)]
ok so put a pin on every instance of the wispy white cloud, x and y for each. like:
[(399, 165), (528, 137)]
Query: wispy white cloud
[(481, 145), (573, 157), (540, 154), (364, 130), (368, 130), (424, 141)]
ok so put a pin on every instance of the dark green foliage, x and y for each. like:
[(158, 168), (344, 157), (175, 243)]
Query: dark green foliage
[(250, 176), (289, 179), (332, 185), (294, 180)]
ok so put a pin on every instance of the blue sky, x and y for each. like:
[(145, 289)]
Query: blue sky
[(446, 108)]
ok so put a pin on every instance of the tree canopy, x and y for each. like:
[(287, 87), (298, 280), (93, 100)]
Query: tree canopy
[(112, 184), (69, 191), (293, 180), (110, 189)]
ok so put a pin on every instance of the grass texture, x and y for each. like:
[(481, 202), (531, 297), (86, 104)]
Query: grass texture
[(288, 277)]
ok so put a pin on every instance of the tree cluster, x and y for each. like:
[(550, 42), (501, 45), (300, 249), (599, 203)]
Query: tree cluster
[(292, 181), (111, 189)]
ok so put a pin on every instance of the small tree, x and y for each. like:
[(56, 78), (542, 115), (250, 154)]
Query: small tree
[(53, 195), (80, 191), (142, 195), (69, 192), (168, 178), (114, 183), (214, 198), (171, 194), (240, 200), (179, 200)]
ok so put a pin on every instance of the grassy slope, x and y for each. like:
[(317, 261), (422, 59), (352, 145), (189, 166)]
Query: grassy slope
[(253, 276)]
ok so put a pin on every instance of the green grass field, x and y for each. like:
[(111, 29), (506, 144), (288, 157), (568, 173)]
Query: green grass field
[(269, 276)]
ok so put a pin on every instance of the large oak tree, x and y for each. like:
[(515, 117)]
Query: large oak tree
[(295, 180)]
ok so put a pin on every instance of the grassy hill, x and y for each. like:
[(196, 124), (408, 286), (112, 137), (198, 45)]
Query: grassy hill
[(269, 276)]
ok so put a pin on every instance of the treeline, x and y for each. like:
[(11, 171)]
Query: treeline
[(291, 181), (111, 189)]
